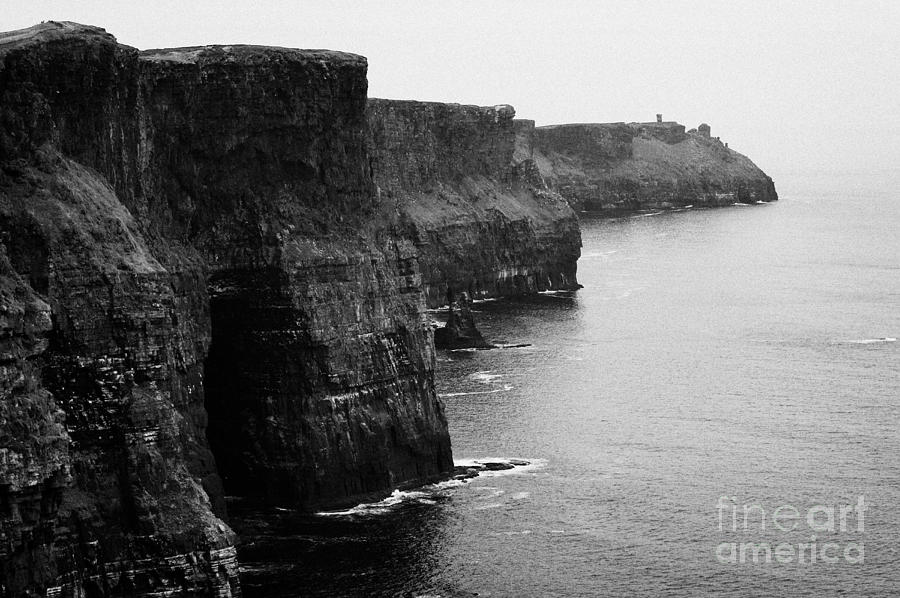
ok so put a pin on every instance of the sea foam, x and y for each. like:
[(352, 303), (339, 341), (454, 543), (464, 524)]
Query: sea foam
[(428, 495)]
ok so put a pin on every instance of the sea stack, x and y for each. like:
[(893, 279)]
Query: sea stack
[(460, 331)]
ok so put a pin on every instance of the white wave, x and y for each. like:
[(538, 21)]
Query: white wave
[(505, 388), (737, 203), (521, 533), (555, 292), (425, 495), (493, 505), (520, 495), (428, 494), (485, 377), (447, 484), (869, 341), (360, 509), (382, 506)]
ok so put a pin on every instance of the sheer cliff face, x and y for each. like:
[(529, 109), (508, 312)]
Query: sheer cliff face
[(319, 381), (471, 198), (187, 250), (644, 166), (114, 500)]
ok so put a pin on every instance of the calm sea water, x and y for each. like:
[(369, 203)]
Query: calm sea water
[(741, 352)]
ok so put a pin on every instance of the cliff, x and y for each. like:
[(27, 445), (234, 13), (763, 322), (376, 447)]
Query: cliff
[(482, 220), (192, 248), (215, 264), (622, 167), (214, 268)]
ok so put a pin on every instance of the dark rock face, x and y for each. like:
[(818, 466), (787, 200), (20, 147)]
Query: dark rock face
[(189, 249), (114, 501), (622, 167), (123, 361), (320, 380), (35, 463), (470, 197), (317, 313)]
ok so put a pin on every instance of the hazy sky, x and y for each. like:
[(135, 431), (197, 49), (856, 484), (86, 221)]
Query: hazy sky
[(794, 85)]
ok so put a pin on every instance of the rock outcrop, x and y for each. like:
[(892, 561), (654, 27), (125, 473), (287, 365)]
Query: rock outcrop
[(460, 331), (625, 167), (481, 218)]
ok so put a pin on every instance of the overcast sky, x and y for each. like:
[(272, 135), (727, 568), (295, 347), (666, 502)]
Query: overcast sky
[(794, 85)]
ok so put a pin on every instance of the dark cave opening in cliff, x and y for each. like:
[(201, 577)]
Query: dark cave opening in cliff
[(257, 365), (241, 371), (224, 385)]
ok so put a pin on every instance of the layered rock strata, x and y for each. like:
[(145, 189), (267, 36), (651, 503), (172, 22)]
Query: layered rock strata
[(482, 219), (624, 167)]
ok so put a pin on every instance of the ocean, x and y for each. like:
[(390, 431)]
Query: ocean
[(716, 412)]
